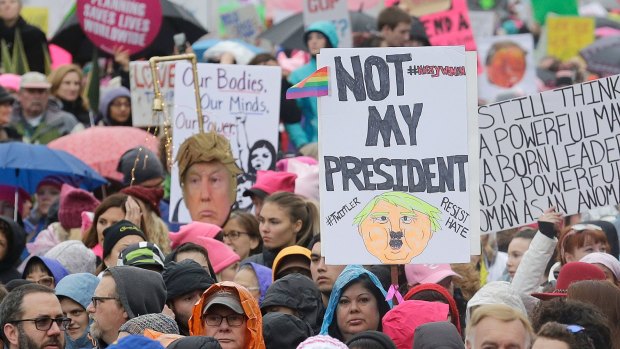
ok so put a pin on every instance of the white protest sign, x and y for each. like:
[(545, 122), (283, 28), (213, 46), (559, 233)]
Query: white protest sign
[(330, 10), (242, 23), (394, 156), (482, 23), (142, 94), (510, 69), (471, 68), (558, 148), (240, 102)]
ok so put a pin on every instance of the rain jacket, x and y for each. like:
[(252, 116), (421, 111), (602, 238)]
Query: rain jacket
[(79, 288), (263, 275), (254, 330), (284, 331), (349, 274), (16, 241), (299, 293), (401, 322), (302, 133), (54, 124), (454, 311), (437, 335), (497, 292), (54, 267)]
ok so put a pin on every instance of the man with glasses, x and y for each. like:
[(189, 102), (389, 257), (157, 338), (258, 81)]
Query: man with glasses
[(229, 313), (32, 318), (122, 294), (36, 119)]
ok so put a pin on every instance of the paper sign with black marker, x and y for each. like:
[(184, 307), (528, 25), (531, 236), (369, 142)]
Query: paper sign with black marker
[(394, 156), (558, 148)]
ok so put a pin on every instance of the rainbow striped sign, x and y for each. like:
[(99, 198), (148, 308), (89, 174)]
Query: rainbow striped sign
[(314, 85)]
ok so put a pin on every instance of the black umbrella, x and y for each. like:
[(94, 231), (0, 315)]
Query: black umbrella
[(290, 32), (603, 56), (177, 19)]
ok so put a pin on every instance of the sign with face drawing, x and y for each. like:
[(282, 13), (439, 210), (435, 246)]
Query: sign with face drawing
[(395, 187)]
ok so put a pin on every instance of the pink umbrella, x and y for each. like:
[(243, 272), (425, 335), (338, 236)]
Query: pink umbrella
[(101, 147)]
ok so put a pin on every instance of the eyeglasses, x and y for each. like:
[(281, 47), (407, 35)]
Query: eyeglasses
[(233, 320), (233, 234), (45, 323), (121, 104), (96, 300), (46, 281)]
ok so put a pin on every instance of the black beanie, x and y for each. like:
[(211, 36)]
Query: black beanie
[(117, 231), (195, 342), (376, 336), (184, 277)]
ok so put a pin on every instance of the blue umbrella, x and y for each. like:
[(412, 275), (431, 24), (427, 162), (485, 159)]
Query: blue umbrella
[(25, 165)]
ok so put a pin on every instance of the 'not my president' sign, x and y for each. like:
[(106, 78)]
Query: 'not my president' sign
[(394, 156)]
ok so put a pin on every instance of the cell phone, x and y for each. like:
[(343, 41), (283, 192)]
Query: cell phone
[(180, 41)]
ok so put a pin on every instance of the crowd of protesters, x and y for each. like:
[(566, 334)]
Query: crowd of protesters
[(82, 269)]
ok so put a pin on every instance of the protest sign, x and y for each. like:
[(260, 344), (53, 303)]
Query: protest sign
[(509, 69), (420, 8), (330, 10), (450, 27), (543, 7), (567, 35), (393, 191), (278, 10), (558, 148), (240, 102), (474, 146), (242, 23), (131, 24), (141, 84), (482, 23)]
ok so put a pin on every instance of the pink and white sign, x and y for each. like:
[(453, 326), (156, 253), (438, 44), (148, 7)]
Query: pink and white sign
[(451, 27), (130, 24)]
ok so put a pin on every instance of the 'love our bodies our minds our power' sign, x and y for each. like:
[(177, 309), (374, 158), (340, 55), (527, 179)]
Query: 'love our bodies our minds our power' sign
[(394, 156), (240, 102), (557, 148)]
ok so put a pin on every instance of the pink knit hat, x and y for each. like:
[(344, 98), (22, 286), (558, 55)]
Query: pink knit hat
[(220, 255), (73, 202), (193, 232), (282, 165), (269, 182), (7, 193), (10, 81), (307, 183)]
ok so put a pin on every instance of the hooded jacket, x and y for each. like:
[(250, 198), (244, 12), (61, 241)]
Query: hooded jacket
[(302, 133), (350, 274), (454, 311), (54, 267), (104, 106), (195, 342), (254, 323), (400, 323), (54, 124), (379, 339), (263, 275), (79, 288), (16, 241), (284, 331), (140, 291), (437, 335), (297, 292)]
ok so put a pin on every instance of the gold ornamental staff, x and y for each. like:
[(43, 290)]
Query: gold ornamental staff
[(158, 103)]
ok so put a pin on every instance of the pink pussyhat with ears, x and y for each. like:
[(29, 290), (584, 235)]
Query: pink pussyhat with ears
[(193, 232), (282, 165), (307, 183), (221, 255)]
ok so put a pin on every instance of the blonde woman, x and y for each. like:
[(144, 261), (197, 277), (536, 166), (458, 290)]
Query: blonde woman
[(68, 91)]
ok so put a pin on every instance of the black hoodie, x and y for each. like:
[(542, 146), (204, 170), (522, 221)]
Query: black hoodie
[(284, 331), (299, 293), (34, 41), (16, 241), (140, 291), (437, 335)]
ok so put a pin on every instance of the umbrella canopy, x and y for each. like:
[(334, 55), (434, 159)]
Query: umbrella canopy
[(177, 19), (290, 32), (242, 53), (101, 147), (25, 165), (603, 56), (200, 47)]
